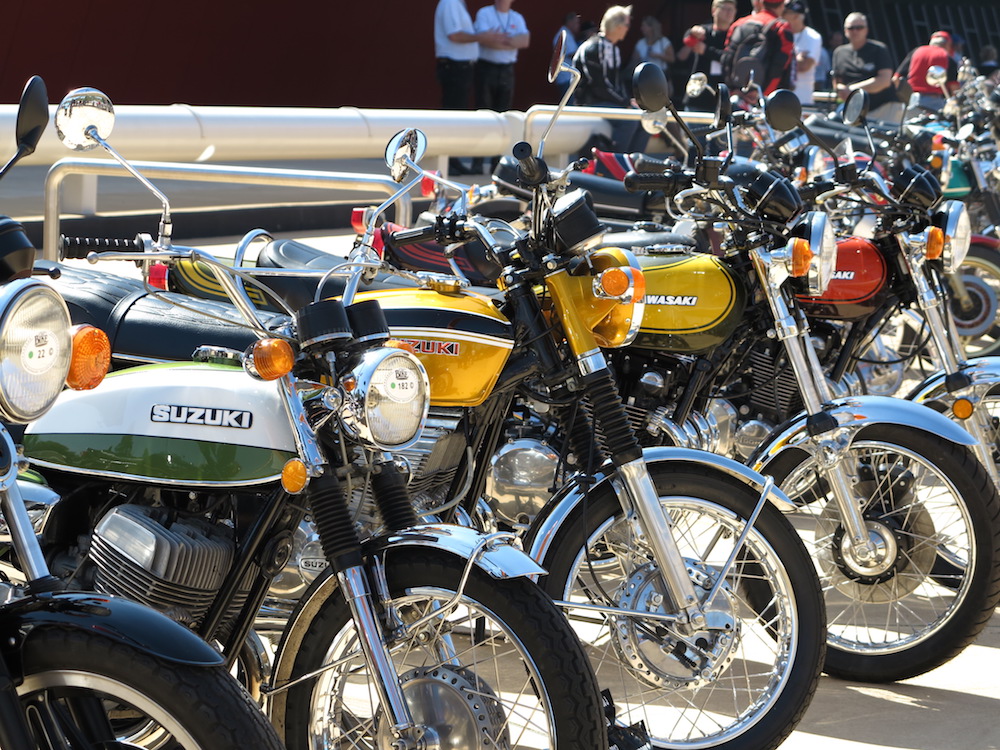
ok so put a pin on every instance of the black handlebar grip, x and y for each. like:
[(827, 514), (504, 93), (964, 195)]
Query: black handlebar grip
[(80, 247), (533, 170), (403, 237), (669, 182)]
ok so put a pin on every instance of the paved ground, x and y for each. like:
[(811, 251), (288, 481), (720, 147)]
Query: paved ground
[(955, 707)]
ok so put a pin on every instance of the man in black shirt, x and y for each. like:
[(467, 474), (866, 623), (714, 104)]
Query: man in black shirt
[(705, 43), (866, 63)]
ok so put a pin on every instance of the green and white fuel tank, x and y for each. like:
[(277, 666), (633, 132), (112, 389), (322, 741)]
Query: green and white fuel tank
[(198, 425)]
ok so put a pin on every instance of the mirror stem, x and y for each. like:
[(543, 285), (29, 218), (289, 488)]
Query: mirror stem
[(575, 77), (21, 152), (165, 223)]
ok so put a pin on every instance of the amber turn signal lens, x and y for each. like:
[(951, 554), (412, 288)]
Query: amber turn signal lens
[(936, 162), (294, 476), (802, 256), (638, 285), (962, 408), (91, 358), (272, 358), (614, 282), (935, 243)]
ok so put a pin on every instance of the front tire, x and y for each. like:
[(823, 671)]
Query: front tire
[(149, 702), (761, 680), (939, 517), (505, 651)]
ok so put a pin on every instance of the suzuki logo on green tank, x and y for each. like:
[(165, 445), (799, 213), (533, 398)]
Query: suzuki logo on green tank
[(201, 415)]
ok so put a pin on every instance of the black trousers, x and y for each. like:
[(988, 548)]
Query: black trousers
[(494, 85), (455, 79)]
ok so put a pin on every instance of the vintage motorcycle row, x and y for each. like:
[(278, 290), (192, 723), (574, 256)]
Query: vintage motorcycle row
[(351, 453)]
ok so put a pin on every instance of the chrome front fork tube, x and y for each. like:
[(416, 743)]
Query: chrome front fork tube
[(354, 584), (831, 448), (641, 502), (22, 533)]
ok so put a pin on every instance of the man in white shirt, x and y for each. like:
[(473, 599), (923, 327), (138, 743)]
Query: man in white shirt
[(495, 69), (456, 46), (808, 47)]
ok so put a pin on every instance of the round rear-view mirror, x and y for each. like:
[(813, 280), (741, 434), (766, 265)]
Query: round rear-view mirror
[(558, 52), (410, 144), (649, 86), (936, 76), (81, 114), (856, 107), (32, 115), (783, 110)]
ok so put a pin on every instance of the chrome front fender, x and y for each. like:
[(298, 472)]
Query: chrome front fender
[(854, 414), (563, 503), (983, 371)]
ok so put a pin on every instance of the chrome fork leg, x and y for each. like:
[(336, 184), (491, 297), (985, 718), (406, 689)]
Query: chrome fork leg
[(354, 584)]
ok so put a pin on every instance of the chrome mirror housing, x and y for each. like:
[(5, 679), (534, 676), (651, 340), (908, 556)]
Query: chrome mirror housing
[(84, 118), (406, 147)]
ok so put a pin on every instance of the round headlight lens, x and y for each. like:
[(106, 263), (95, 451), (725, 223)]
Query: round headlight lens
[(389, 398), (957, 234), (815, 163), (823, 245), (35, 349)]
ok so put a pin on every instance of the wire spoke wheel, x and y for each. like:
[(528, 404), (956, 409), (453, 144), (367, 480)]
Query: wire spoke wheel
[(932, 582), (741, 678)]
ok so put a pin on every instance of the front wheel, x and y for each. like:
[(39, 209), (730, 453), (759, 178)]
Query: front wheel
[(742, 679), (934, 582), (500, 670), (141, 700)]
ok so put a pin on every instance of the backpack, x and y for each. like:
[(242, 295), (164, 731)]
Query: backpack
[(753, 43)]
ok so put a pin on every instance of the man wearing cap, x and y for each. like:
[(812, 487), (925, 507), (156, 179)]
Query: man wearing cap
[(914, 70), (808, 47)]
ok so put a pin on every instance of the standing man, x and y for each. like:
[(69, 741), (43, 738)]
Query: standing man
[(914, 69), (775, 52), (600, 64), (706, 41), (456, 45), (808, 50), (495, 69), (865, 63)]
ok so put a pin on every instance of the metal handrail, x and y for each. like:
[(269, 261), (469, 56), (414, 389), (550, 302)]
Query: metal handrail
[(610, 113), (206, 173)]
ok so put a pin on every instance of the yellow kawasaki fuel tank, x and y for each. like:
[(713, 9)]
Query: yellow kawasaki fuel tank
[(461, 338), (693, 302)]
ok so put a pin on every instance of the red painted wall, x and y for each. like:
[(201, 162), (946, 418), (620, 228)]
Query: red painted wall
[(378, 53)]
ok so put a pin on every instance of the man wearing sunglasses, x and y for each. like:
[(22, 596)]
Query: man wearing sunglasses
[(865, 63)]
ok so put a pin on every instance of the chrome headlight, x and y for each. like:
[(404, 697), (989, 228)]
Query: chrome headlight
[(813, 252), (35, 349), (386, 397), (953, 219)]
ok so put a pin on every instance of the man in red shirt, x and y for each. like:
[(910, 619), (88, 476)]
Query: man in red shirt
[(776, 56), (914, 70)]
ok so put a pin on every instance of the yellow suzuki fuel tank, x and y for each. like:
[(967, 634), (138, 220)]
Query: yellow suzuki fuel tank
[(693, 302), (460, 337)]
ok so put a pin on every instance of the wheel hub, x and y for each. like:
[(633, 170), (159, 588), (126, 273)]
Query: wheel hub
[(658, 653), (456, 708), (982, 312)]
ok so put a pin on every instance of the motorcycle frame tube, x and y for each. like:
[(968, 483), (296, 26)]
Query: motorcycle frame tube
[(22, 533), (497, 561), (547, 524)]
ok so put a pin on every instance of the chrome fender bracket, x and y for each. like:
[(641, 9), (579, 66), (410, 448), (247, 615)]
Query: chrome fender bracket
[(564, 502), (853, 414), (984, 372)]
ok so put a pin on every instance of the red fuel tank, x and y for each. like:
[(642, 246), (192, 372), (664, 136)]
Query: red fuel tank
[(859, 284)]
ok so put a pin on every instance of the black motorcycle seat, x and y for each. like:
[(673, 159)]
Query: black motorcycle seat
[(146, 327)]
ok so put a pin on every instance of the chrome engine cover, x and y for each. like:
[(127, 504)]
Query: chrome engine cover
[(521, 478)]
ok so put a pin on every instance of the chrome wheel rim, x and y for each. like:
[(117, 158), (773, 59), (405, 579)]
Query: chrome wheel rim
[(697, 710)]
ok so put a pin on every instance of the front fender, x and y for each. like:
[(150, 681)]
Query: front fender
[(564, 502), (498, 560), (853, 414), (119, 619), (983, 371)]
